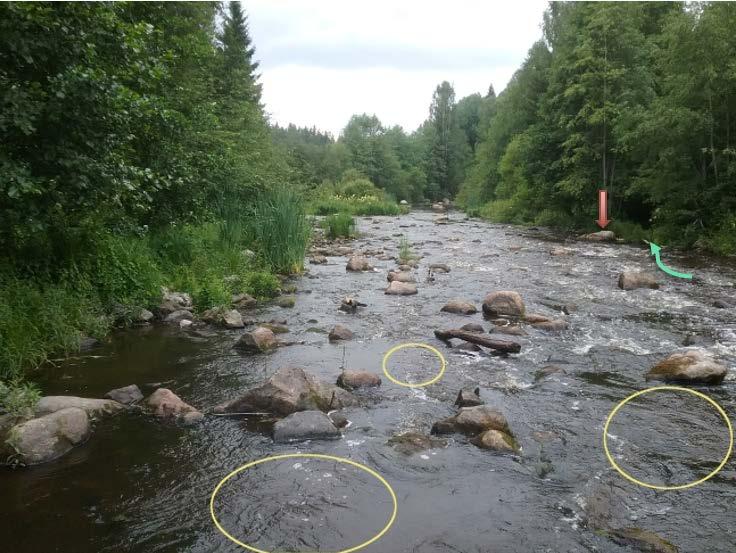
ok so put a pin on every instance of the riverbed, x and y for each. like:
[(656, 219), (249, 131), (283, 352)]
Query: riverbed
[(140, 484)]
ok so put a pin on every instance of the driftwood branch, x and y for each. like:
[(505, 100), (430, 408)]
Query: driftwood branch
[(505, 346)]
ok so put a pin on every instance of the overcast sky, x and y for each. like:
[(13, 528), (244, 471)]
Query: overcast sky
[(324, 60)]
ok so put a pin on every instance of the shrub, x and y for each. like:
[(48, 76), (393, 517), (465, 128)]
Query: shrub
[(261, 284), (339, 225), (18, 398)]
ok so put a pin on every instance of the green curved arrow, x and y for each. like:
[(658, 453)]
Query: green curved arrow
[(655, 252)]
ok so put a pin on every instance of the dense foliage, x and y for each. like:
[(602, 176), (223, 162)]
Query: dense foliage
[(134, 154), (637, 98)]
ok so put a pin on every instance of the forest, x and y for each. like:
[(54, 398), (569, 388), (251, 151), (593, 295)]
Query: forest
[(136, 153)]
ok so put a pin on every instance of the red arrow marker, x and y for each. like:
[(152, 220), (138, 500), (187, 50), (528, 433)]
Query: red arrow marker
[(602, 219)]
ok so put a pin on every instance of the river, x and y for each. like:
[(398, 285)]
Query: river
[(141, 484)]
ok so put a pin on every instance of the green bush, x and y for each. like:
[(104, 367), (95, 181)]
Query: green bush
[(631, 232), (18, 398), (261, 284), (339, 225), (360, 188)]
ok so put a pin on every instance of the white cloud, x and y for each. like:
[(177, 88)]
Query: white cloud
[(322, 61)]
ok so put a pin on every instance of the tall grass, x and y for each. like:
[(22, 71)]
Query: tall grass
[(367, 205), (281, 230), (340, 225), (405, 252)]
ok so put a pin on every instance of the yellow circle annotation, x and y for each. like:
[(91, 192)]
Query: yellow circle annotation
[(359, 466), (389, 353), (701, 395)]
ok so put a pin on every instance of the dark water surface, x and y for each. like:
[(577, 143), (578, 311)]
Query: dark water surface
[(142, 485)]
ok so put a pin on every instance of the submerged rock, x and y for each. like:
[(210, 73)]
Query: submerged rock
[(473, 420), (286, 301), (473, 327), (504, 304), (549, 370), (555, 325), (640, 539), (165, 403), (289, 390), (305, 425), (261, 339), (350, 380), (459, 307), (439, 268), (560, 251), (496, 440), (48, 437), (340, 332), (468, 397), (410, 443), (93, 407), (600, 236), (397, 288), (178, 316), (533, 318), (694, 366), (511, 330), (317, 260), (126, 395), (631, 281), (358, 263)]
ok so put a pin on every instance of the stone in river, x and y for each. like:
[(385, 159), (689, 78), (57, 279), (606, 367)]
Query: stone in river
[(305, 425)]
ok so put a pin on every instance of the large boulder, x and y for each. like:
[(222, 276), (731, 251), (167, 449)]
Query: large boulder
[(259, 340), (165, 403), (459, 307), (289, 390), (438, 207), (411, 442), (496, 440), (631, 281), (350, 380), (472, 421), (340, 332), (126, 395), (93, 407), (600, 236), (694, 367), (305, 425), (358, 263), (48, 437), (400, 276), (174, 301), (504, 304), (397, 288)]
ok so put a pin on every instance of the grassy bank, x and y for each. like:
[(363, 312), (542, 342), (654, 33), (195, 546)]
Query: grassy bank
[(48, 313), (354, 195)]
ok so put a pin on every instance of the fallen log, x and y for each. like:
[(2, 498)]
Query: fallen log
[(505, 346)]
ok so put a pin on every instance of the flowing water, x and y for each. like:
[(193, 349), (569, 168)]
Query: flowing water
[(140, 484)]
